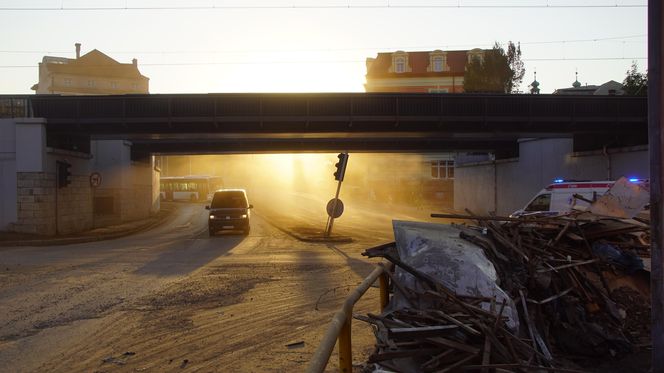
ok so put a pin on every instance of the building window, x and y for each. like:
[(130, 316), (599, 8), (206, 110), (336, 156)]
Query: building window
[(437, 61), (442, 169), (438, 64), (399, 65), (477, 54), (91, 83), (67, 82)]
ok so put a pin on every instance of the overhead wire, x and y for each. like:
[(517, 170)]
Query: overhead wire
[(332, 62), (330, 6), (427, 47)]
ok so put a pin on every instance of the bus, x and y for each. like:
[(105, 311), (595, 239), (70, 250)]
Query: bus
[(191, 188)]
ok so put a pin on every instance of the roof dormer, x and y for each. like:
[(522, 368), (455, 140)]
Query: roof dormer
[(400, 63), (438, 61), (476, 53)]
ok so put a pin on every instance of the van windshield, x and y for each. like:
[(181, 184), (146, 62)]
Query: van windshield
[(230, 199), (540, 203)]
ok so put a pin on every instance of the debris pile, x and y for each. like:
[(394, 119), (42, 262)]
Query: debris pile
[(566, 288)]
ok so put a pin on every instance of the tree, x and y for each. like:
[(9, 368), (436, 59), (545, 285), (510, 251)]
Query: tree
[(635, 83), (497, 72)]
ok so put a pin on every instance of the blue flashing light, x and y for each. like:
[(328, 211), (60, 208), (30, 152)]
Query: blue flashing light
[(633, 180), (558, 181)]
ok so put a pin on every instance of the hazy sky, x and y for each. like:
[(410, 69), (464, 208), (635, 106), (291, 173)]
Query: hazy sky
[(316, 45)]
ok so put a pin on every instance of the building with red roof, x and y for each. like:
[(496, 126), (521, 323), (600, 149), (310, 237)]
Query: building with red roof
[(425, 71)]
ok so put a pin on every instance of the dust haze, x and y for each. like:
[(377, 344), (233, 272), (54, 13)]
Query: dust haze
[(381, 182)]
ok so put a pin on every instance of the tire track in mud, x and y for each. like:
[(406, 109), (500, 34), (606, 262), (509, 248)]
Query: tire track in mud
[(214, 337), (237, 304)]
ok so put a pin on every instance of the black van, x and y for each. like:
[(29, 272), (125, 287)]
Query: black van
[(229, 210)]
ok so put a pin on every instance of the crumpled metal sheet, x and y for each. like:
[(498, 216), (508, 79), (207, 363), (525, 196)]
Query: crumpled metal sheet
[(437, 250), (623, 200)]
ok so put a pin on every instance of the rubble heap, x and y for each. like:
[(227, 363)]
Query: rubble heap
[(579, 282)]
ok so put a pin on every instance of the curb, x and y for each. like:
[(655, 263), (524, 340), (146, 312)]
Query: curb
[(307, 238), (55, 241)]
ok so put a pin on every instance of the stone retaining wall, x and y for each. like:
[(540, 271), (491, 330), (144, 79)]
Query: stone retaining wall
[(36, 203)]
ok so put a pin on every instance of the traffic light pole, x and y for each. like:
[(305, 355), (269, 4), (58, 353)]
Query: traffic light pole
[(330, 220), (57, 189)]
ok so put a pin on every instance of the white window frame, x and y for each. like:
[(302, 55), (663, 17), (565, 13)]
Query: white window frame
[(400, 65), (442, 168), (438, 63)]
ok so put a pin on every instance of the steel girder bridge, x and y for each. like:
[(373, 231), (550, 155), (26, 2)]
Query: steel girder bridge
[(321, 122)]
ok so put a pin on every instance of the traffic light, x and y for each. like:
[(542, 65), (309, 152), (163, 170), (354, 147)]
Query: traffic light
[(341, 166), (63, 174)]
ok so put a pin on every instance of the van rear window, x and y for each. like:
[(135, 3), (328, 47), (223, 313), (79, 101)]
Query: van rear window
[(540, 203)]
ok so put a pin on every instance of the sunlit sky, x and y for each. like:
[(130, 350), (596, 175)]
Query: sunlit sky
[(316, 45)]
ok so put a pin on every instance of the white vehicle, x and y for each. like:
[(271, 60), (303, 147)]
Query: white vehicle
[(189, 188), (558, 198)]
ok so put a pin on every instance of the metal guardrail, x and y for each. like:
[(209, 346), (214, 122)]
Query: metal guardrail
[(340, 328)]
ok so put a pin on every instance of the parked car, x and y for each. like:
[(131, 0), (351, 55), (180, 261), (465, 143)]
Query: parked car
[(229, 210)]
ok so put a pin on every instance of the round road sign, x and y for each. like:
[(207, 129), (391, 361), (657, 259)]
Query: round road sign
[(339, 208), (95, 179)]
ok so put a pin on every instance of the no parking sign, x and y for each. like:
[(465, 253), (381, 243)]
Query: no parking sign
[(95, 179)]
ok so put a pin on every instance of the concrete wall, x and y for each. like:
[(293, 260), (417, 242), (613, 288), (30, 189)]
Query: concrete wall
[(42, 207), (31, 202), (540, 161), (8, 209), (128, 186), (156, 195)]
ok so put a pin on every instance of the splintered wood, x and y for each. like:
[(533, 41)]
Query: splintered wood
[(570, 278)]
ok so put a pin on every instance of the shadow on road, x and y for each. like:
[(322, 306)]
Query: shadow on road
[(361, 267), (185, 257)]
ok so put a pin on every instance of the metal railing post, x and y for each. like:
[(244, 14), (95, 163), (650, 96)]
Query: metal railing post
[(384, 282), (345, 346), (339, 331)]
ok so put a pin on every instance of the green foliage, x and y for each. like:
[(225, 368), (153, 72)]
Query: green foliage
[(635, 83), (497, 72)]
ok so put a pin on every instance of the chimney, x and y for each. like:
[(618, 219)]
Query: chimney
[(134, 62), (78, 50)]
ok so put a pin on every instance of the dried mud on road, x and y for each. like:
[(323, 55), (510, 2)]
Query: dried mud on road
[(261, 310)]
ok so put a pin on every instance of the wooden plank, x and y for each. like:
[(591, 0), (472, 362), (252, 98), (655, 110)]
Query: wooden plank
[(457, 322), (435, 361), (421, 332), (567, 266), (440, 341)]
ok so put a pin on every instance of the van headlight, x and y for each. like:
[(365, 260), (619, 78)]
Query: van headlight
[(212, 217), (244, 216)]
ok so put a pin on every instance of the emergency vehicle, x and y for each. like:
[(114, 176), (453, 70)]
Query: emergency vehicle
[(558, 198)]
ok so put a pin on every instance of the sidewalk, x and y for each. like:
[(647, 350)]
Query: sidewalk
[(97, 234)]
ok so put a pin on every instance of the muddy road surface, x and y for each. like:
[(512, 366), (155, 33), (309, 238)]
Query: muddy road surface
[(174, 299)]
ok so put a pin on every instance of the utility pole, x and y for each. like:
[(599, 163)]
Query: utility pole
[(656, 181)]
